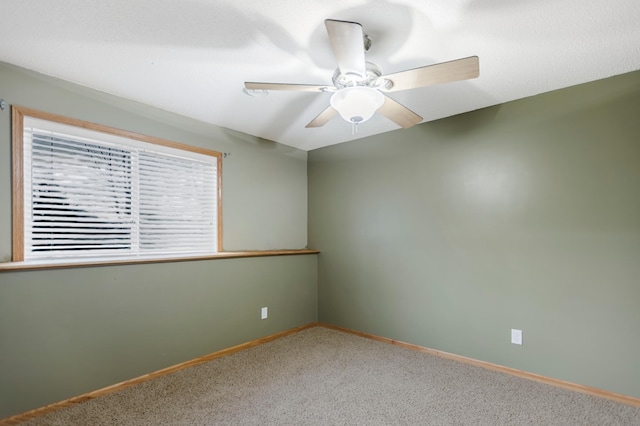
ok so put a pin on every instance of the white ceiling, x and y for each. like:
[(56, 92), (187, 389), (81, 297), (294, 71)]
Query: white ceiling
[(192, 57)]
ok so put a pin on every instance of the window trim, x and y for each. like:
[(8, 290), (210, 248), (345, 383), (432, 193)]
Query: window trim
[(17, 152)]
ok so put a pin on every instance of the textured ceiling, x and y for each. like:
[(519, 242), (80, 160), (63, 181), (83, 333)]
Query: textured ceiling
[(193, 56)]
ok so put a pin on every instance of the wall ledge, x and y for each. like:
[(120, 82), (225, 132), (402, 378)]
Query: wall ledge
[(31, 266)]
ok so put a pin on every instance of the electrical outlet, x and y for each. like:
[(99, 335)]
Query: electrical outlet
[(516, 336), (265, 312)]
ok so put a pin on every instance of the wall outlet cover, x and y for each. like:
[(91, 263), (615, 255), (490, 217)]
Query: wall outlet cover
[(516, 336), (264, 313)]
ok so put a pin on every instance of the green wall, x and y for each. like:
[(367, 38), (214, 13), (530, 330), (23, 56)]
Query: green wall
[(446, 235), (69, 331), (264, 183), (524, 215)]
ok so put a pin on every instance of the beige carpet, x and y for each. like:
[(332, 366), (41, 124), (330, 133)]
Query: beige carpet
[(325, 377)]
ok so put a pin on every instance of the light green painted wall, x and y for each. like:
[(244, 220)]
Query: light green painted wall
[(255, 172), (524, 215), (70, 331), (445, 235)]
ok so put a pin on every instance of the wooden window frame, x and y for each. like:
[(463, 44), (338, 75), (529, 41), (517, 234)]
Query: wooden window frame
[(18, 116)]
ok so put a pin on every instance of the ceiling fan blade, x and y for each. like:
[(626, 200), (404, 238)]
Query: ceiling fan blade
[(445, 72), (322, 118), (398, 113), (249, 85), (347, 42)]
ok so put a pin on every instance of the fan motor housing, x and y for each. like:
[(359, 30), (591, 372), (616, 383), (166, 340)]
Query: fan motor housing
[(370, 79)]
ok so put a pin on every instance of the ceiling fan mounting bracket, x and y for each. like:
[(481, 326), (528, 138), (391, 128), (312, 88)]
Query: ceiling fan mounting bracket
[(384, 84)]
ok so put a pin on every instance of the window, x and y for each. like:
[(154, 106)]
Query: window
[(83, 190)]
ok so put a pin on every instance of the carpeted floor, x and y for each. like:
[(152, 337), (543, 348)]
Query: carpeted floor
[(321, 376)]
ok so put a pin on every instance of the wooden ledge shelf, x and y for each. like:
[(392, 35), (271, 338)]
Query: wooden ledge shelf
[(26, 266)]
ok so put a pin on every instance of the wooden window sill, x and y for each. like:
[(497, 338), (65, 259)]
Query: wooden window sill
[(29, 266)]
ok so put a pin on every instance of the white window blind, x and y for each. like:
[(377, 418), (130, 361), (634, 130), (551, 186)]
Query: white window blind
[(109, 196)]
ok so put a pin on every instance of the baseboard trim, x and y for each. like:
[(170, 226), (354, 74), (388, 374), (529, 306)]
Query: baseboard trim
[(624, 399), (27, 415), (22, 417)]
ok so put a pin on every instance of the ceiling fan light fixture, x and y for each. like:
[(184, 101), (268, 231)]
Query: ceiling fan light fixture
[(359, 87), (358, 103)]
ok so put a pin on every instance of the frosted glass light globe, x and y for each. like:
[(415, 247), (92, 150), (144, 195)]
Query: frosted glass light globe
[(358, 103)]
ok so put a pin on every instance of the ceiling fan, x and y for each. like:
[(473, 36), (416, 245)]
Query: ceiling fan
[(359, 86)]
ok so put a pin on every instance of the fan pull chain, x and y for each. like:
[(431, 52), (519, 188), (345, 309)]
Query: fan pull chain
[(354, 127)]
